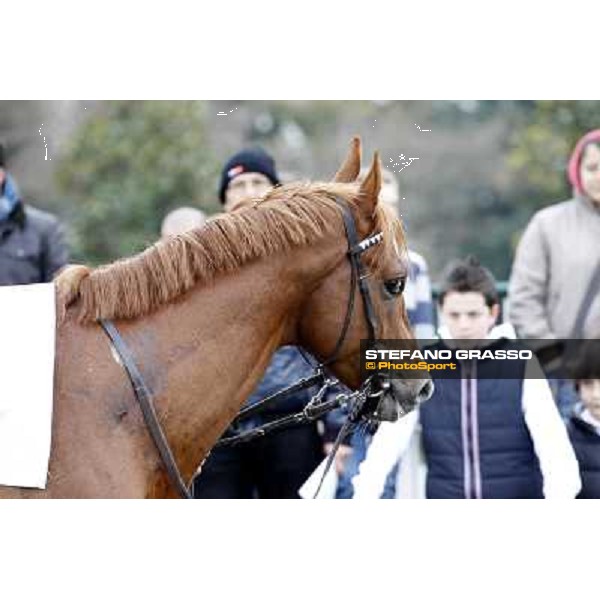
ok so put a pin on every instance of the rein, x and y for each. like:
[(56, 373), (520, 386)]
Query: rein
[(315, 409), (366, 398), (144, 397)]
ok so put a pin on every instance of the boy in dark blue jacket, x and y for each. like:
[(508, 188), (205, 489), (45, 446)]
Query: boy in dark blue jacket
[(491, 432)]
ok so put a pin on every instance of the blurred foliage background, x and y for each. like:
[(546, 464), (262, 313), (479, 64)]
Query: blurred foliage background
[(129, 165), (114, 169)]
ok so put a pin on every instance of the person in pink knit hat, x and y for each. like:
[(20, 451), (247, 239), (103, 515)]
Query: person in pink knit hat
[(554, 288)]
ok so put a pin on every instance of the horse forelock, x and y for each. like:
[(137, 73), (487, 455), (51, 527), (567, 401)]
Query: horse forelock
[(289, 216)]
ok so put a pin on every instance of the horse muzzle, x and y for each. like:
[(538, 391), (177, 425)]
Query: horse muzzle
[(395, 398)]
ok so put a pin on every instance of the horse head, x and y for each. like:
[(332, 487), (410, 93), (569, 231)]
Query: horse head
[(386, 270)]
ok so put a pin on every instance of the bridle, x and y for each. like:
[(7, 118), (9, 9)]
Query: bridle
[(361, 404), (357, 275)]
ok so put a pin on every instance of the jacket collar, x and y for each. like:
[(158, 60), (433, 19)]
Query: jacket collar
[(502, 331), (17, 218), (585, 419)]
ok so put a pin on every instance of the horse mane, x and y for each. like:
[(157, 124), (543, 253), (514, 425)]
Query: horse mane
[(287, 217)]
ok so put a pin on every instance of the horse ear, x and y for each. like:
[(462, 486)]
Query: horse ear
[(350, 168), (370, 188)]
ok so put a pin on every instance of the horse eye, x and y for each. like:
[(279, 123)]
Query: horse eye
[(395, 286)]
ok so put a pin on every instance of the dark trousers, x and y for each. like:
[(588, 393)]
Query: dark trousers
[(274, 466)]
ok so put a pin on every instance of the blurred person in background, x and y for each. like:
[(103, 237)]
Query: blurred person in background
[(32, 242), (554, 288), (181, 220), (247, 175)]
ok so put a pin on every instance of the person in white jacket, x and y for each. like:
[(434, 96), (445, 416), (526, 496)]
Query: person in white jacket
[(477, 437)]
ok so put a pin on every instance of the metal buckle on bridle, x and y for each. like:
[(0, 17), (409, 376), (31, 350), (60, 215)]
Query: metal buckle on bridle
[(375, 388)]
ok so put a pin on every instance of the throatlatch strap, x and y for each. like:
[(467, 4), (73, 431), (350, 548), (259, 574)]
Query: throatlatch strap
[(145, 401)]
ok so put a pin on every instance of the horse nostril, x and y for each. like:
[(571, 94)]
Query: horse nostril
[(426, 391)]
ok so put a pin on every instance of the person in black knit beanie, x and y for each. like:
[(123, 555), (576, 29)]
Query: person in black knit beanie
[(246, 175)]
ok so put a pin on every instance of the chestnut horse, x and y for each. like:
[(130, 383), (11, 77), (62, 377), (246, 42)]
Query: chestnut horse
[(203, 313)]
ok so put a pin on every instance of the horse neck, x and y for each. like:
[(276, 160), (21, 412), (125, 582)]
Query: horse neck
[(216, 343)]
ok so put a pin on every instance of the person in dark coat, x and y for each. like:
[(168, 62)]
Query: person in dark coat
[(584, 423), (32, 242)]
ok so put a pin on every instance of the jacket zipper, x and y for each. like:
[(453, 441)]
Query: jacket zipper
[(470, 434)]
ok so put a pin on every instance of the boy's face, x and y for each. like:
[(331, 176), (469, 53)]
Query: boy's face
[(589, 391), (467, 316)]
